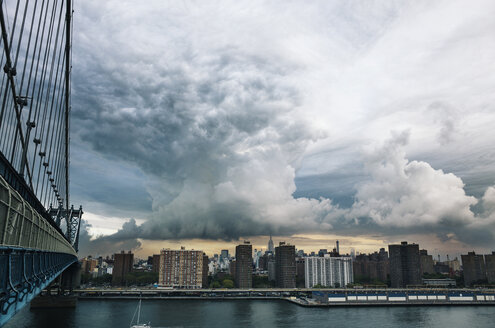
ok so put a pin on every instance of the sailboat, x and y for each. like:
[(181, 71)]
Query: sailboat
[(139, 325)]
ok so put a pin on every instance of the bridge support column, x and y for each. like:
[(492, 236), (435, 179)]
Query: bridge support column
[(70, 278), (59, 292)]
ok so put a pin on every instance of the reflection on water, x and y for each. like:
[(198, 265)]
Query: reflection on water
[(244, 313)]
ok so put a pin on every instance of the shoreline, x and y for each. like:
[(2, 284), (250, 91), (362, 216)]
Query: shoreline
[(295, 301)]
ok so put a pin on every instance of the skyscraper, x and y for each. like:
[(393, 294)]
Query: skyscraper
[(270, 245), (285, 265), (474, 268), (404, 265), (181, 268), (244, 265), (122, 266)]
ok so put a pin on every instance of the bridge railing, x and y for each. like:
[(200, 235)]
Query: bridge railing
[(22, 226)]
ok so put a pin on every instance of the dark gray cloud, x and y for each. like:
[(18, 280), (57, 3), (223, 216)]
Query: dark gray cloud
[(105, 182), (124, 239)]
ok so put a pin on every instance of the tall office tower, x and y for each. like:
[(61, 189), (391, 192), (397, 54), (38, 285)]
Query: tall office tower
[(405, 266), (224, 254), (426, 262), (474, 268), (181, 268), (328, 271), (285, 265), (122, 266), (204, 280), (490, 267), (270, 245), (337, 247), (244, 265)]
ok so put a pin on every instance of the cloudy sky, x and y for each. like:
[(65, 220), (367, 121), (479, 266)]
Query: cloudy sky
[(204, 123)]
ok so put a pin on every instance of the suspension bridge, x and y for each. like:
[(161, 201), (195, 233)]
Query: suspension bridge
[(39, 229)]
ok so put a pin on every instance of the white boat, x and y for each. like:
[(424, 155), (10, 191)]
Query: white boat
[(139, 325)]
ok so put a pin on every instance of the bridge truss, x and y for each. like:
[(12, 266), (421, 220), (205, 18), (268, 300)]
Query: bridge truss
[(39, 230)]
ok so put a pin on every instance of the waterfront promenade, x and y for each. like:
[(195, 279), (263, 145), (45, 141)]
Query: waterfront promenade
[(307, 297)]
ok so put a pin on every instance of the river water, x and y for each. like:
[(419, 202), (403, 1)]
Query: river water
[(250, 313)]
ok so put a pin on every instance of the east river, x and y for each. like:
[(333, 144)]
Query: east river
[(250, 313)]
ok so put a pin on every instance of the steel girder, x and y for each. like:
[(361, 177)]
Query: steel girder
[(24, 273)]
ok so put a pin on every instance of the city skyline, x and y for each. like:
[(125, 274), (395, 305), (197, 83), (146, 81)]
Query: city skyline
[(218, 123), (345, 250), (403, 265)]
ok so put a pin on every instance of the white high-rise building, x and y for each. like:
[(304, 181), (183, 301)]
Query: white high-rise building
[(328, 271)]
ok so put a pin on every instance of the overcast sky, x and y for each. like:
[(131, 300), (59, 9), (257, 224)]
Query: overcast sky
[(200, 123)]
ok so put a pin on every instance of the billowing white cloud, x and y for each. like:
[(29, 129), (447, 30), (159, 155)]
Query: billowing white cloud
[(407, 193)]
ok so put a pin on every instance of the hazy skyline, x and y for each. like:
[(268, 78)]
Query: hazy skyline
[(204, 123)]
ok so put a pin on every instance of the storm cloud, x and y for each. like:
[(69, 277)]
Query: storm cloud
[(219, 122)]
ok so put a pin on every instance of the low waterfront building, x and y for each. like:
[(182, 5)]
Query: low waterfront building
[(328, 271)]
